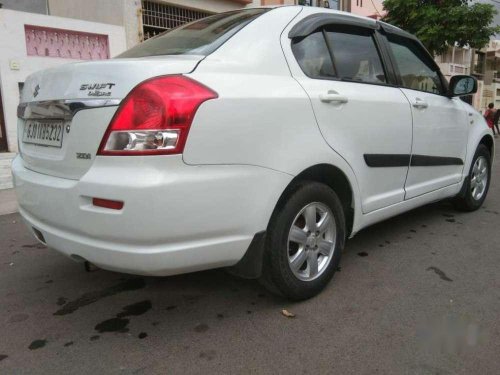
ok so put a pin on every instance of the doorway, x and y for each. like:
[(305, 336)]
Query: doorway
[(3, 133)]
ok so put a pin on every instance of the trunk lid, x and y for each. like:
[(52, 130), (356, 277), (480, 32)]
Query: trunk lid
[(65, 111)]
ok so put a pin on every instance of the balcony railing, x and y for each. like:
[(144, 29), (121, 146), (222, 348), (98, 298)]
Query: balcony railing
[(454, 69)]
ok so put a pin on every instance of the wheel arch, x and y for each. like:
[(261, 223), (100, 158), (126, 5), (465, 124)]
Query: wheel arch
[(488, 141), (250, 266), (333, 177)]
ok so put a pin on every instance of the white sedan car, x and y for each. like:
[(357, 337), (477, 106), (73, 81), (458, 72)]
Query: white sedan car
[(257, 140)]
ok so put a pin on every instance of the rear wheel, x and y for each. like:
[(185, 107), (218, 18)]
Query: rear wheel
[(477, 183), (305, 240)]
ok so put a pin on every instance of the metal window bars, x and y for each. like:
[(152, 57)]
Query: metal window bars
[(158, 17)]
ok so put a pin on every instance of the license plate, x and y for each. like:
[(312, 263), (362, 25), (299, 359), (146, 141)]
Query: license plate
[(44, 133)]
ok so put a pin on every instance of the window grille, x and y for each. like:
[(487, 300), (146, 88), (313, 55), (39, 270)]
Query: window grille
[(158, 17), (66, 44)]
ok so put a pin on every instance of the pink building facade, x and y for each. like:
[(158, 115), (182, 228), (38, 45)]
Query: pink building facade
[(68, 44), (368, 8)]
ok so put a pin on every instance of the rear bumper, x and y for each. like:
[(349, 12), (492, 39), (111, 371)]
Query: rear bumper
[(176, 218)]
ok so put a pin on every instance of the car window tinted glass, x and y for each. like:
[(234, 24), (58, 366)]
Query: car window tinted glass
[(356, 57), (313, 57), (417, 70), (200, 37)]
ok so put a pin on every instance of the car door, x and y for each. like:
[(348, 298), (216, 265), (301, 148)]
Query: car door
[(439, 122), (361, 115)]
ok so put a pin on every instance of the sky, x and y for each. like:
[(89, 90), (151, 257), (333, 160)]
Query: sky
[(496, 3)]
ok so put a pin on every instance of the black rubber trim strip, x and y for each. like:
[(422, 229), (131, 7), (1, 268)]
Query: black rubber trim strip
[(405, 160), (387, 160), (434, 161)]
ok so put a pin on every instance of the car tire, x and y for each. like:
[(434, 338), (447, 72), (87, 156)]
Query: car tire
[(477, 182), (303, 247)]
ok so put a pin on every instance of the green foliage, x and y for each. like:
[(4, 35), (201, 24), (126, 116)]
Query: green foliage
[(441, 23)]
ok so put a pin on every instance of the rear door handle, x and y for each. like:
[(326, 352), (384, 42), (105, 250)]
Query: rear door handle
[(420, 103), (333, 97)]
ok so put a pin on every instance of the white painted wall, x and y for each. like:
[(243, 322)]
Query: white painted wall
[(116, 12), (108, 11), (13, 49)]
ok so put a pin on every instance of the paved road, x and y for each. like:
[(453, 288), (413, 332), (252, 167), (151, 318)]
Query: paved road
[(418, 294)]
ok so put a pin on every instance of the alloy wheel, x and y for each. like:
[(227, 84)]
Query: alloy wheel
[(311, 241), (479, 178)]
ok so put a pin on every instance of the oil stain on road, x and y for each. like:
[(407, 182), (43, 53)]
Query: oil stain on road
[(119, 323), (37, 344), (440, 273), (92, 297)]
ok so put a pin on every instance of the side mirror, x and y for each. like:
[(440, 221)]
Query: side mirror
[(462, 86)]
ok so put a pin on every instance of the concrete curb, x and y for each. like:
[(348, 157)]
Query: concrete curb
[(8, 202)]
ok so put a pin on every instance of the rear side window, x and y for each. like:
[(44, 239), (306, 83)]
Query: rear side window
[(200, 37), (356, 57), (417, 70), (345, 55), (313, 57)]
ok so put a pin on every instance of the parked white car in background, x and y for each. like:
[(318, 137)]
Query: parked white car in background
[(257, 140)]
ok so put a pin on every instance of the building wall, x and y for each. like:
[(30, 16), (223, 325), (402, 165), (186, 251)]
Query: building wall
[(491, 94), (485, 66), (109, 11), (33, 6), (367, 8), (124, 13), (16, 65), (456, 60), (477, 98), (133, 22)]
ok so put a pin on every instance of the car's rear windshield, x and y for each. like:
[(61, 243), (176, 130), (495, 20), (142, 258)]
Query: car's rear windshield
[(200, 37)]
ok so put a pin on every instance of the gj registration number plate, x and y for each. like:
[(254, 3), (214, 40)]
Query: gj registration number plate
[(44, 133)]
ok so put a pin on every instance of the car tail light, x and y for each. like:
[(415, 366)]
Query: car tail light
[(155, 117)]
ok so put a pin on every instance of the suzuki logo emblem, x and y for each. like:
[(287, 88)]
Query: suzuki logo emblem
[(35, 92)]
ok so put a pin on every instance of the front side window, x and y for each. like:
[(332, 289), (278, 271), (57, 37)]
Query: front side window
[(417, 70), (313, 57), (200, 37), (356, 57)]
